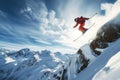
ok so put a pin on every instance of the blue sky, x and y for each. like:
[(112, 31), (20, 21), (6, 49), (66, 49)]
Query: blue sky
[(42, 23)]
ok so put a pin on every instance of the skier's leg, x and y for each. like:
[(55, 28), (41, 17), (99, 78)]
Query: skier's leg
[(81, 28)]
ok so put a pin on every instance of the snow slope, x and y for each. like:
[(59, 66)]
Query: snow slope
[(100, 63), (111, 70)]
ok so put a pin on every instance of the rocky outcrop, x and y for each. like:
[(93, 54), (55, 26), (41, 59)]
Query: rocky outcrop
[(108, 33)]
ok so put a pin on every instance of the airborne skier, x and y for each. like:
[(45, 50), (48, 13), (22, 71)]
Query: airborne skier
[(81, 20)]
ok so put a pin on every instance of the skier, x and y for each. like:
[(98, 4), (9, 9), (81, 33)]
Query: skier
[(81, 20)]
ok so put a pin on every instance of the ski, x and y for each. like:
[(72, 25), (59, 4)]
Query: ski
[(83, 33), (77, 37)]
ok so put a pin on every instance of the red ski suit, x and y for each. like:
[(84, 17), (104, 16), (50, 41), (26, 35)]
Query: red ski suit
[(81, 21)]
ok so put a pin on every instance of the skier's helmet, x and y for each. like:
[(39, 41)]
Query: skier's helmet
[(81, 17)]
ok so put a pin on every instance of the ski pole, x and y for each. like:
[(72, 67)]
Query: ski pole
[(93, 15)]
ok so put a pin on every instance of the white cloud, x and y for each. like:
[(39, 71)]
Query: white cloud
[(43, 41), (35, 10), (107, 7), (71, 9), (51, 18), (3, 14), (27, 9), (17, 47), (115, 9), (112, 10)]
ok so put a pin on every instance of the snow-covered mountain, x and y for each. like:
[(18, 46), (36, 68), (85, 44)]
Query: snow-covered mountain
[(29, 65)]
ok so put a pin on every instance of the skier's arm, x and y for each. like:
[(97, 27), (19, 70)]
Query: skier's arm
[(75, 25), (86, 18)]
